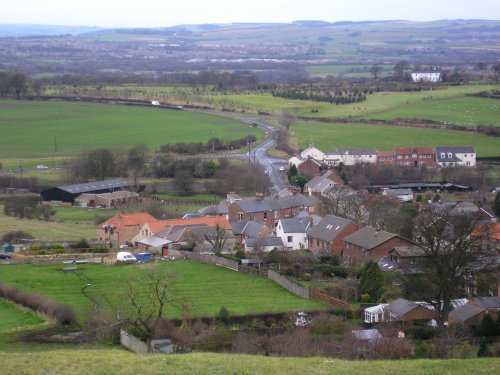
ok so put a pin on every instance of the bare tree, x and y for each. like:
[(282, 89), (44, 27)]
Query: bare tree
[(451, 242), (375, 70), (217, 239)]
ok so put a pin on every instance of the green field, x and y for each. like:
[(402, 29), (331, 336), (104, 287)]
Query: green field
[(34, 129), (378, 103), (113, 361), (47, 231), (327, 137), (12, 317), (204, 288)]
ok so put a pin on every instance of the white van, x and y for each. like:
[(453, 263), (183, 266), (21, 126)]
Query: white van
[(125, 256)]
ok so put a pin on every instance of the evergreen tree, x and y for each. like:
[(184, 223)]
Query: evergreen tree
[(292, 172), (371, 281)]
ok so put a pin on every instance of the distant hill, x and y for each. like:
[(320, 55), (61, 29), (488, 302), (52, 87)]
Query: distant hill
[(43, 30)]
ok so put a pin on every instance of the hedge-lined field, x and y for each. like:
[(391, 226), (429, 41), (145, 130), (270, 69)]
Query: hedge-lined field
[(33, 129), (204, 288), (12, 317), (328, 136)]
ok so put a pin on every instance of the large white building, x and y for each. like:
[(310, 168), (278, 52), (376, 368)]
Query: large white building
[(350, 156), (426, 76), (456, 156), (313, 153)]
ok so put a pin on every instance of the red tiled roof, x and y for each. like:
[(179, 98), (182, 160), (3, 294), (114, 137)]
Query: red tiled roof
[(411, 150), (122, 220)]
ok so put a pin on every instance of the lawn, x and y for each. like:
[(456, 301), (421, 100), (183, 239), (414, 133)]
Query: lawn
[(35, 129), (13, 317), (328, 136), (112, 361), (204, 288)]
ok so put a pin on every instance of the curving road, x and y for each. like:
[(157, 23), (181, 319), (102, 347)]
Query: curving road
[(258, 154)]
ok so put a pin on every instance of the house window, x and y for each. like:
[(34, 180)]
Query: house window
[(240, 217), (443, 155), (400, 157), (414, 156), (289, 238), (450, 155), (317, 242), (265, 215)]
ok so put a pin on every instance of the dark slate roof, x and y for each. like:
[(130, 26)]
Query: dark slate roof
[(295, 225), (298, 200), (247, 228), (117, 183), (487, 302), (369, 237), (465, 312), (264, 241), (453, 150), (328, 228), (401, 306), (457, 149), (254, 205)]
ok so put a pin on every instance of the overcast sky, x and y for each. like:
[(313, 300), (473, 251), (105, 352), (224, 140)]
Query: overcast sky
[(158, 13)]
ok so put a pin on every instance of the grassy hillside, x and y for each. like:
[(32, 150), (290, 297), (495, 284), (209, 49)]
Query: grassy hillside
[(119, 361), (36, 128), (13, 317), (204, 288), (327, 137)]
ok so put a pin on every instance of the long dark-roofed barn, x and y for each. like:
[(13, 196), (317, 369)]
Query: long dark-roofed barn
[(68, 193)]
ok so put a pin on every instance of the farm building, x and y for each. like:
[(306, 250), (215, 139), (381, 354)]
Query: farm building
[(115, 199), (68, 193)]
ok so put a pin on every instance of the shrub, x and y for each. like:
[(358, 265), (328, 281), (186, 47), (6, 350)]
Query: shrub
[(340, 271), (484, 349), (240, 254), (425, 350), (82, 244), (15, 236), (223, 315), (101, 249), (465, 350), (424, 332)]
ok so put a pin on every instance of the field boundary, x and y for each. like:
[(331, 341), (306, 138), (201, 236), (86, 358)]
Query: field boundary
[(292, 287)]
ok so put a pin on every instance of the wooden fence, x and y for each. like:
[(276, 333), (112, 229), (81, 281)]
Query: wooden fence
[(320, 295), (253, 271)]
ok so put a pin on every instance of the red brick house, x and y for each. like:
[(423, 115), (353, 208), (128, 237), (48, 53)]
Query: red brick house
[(309, 168), (269, 210), (414, 156), (328, 234), (371, 243), (385, 158), (121, 228)]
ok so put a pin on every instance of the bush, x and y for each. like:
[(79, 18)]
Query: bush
[(15, 236), (101, 249), (223, 315), (82, 244), (424, 332), (340, 271), (484, 349), (465, 350), (240, 254), (425, 350)]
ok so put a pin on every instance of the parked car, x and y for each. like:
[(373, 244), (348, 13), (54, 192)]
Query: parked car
[(4, 256), (126, 257), (41, 166), (282, 169)]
